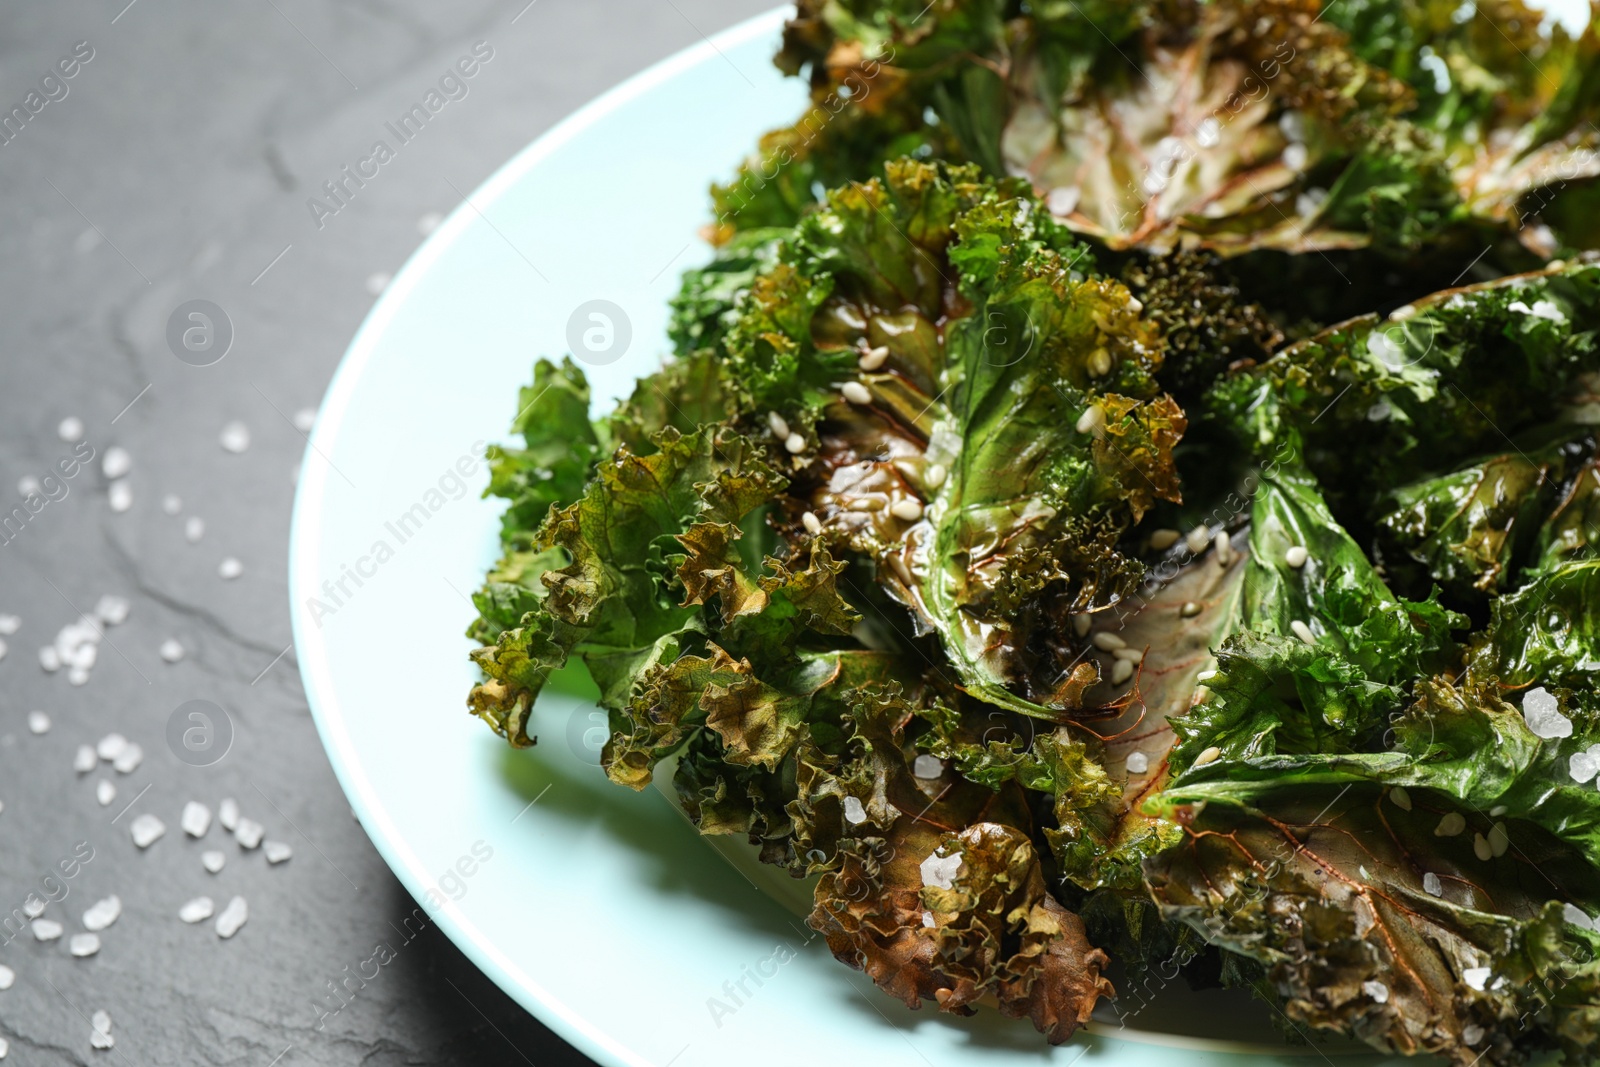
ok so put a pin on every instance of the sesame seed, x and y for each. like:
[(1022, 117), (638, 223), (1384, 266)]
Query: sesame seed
[(776, 423), (1106, 641), (1480, 847), (935, 475), (1224, 548), (1093, 420), (795, 444), (1189, 610), (1210, 755), (1099, 363), (10, 624), (1401, 798), (1132, 655), (854, 812), (873, 358), (1207, 676), (1163, 539), (866, 503), (1451, 825), (1197, 539), (907, 509), (8, 977), (108, 747), (812, 524), (1303, 632), (1121, 671), (1296, 556), (856, 393), (1499, 840), (50, 659), (1081, 624), (38, 722)]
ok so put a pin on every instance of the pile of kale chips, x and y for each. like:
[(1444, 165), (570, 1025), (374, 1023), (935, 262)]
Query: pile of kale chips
[(1125, 487)]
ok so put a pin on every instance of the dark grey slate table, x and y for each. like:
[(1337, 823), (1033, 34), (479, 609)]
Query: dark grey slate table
[(164, 153)]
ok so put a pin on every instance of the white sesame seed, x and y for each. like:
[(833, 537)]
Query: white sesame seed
[(907, 509), (119, 495), (248, 833), (795, 444), (229, 569), (233, 916), (1210, 755), (1121, 671), (1451, 825), (196, 819), (1106, 641), (1303, 632), (812, 524), (866, 503), (1197, 539), (1499, 840), (102, 913), (197, 910), (1296, 556), (935, 475), (194, 528), (213, 861), (228, 814), (47, 929), (171, 650), (38, 722), (1189, 610), (1099, 363), (116, 463), (70, 429), (104, 792), (1081, 624), (856, 393), (1132, 655), (776, 423), (1163, 539), (873, 358), (1138, 763), (1093, 420), (1497, 811), (1207, 676), (235, 437), (82, 945), (146, 830), (1480, 847), (128, 759), (1224, 548), (84, 761)]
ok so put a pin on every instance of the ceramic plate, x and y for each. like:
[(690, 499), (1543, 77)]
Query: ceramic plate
[(600, 910)]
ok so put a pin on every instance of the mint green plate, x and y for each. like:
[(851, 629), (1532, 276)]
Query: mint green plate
[(600, 910)]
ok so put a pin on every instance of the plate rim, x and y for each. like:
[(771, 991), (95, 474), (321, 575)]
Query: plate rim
[(306, 518)]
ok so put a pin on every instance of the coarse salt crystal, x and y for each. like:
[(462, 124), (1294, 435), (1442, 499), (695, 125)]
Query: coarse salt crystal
[(940, 871), (128, 759), (112, 610), (277, 851), (926, 766), (119, 494), (33, 907), (70, 429), (171, 504), (235, 437), (102, 913), (1376, 990), (8, 977), (10, 624), (47, 929), (117, 462), (1476, 977), (1583, 766), (812, 524), (1577, 916), (1431, 883), (1472, 1033), (38, 722), (101, 1021), (1138, 763), (248, 833), (77, 676), (196, 819), (82, 945), (104, 792), (228, 814), (233, 916), (854, 812), (110, 746), (171, 650), (194, 528), (146, 830), (213, 861), (50, 659), (229, 569), (927, 919), (1542, 712), (197, 910), (101, 1040), (84, 760)]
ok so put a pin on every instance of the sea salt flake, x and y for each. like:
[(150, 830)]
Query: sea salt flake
[(232, 917), (104, 792), (102, 913), (248, 833), (129, 758), (101, 1021), (33, 907), (1472, 1033), (228, 814), (212, 861), (38, 722), (197, 910), (146, 830), (1584, 765), (81, 945), (1138, 763), (101, 1041), (1376, 990), (110, 746), (1476, 977), (1431, 883), (46, 929), (1542, 712), (278, 851), (196, 819), (85, 760), (940, 870)]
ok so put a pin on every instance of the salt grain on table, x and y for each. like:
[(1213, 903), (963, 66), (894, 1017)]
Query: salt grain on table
[(194, 528), (235, 437), (229, 569), (171, 650), (276, 851), (228, 814), (146, 830), (104, 792), (102, 913), (8, 977), (117, 462), (101, 1041), (82, 945), (85, 760), (248, 833), (33, 907), (305, 419), (112, 610), (28, 485), (196, 819), (110, 746), (77, 676), (10, 624), (119, 494), (49, 659), (38, 722), (232, 917), (197, 910), (70, 429), (171, 504), (212, 861), (3, 649), (101, 1021), (46, 929), (128, 759)]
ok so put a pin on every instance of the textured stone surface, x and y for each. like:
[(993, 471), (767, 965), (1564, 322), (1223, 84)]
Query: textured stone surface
[(177, 167)]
